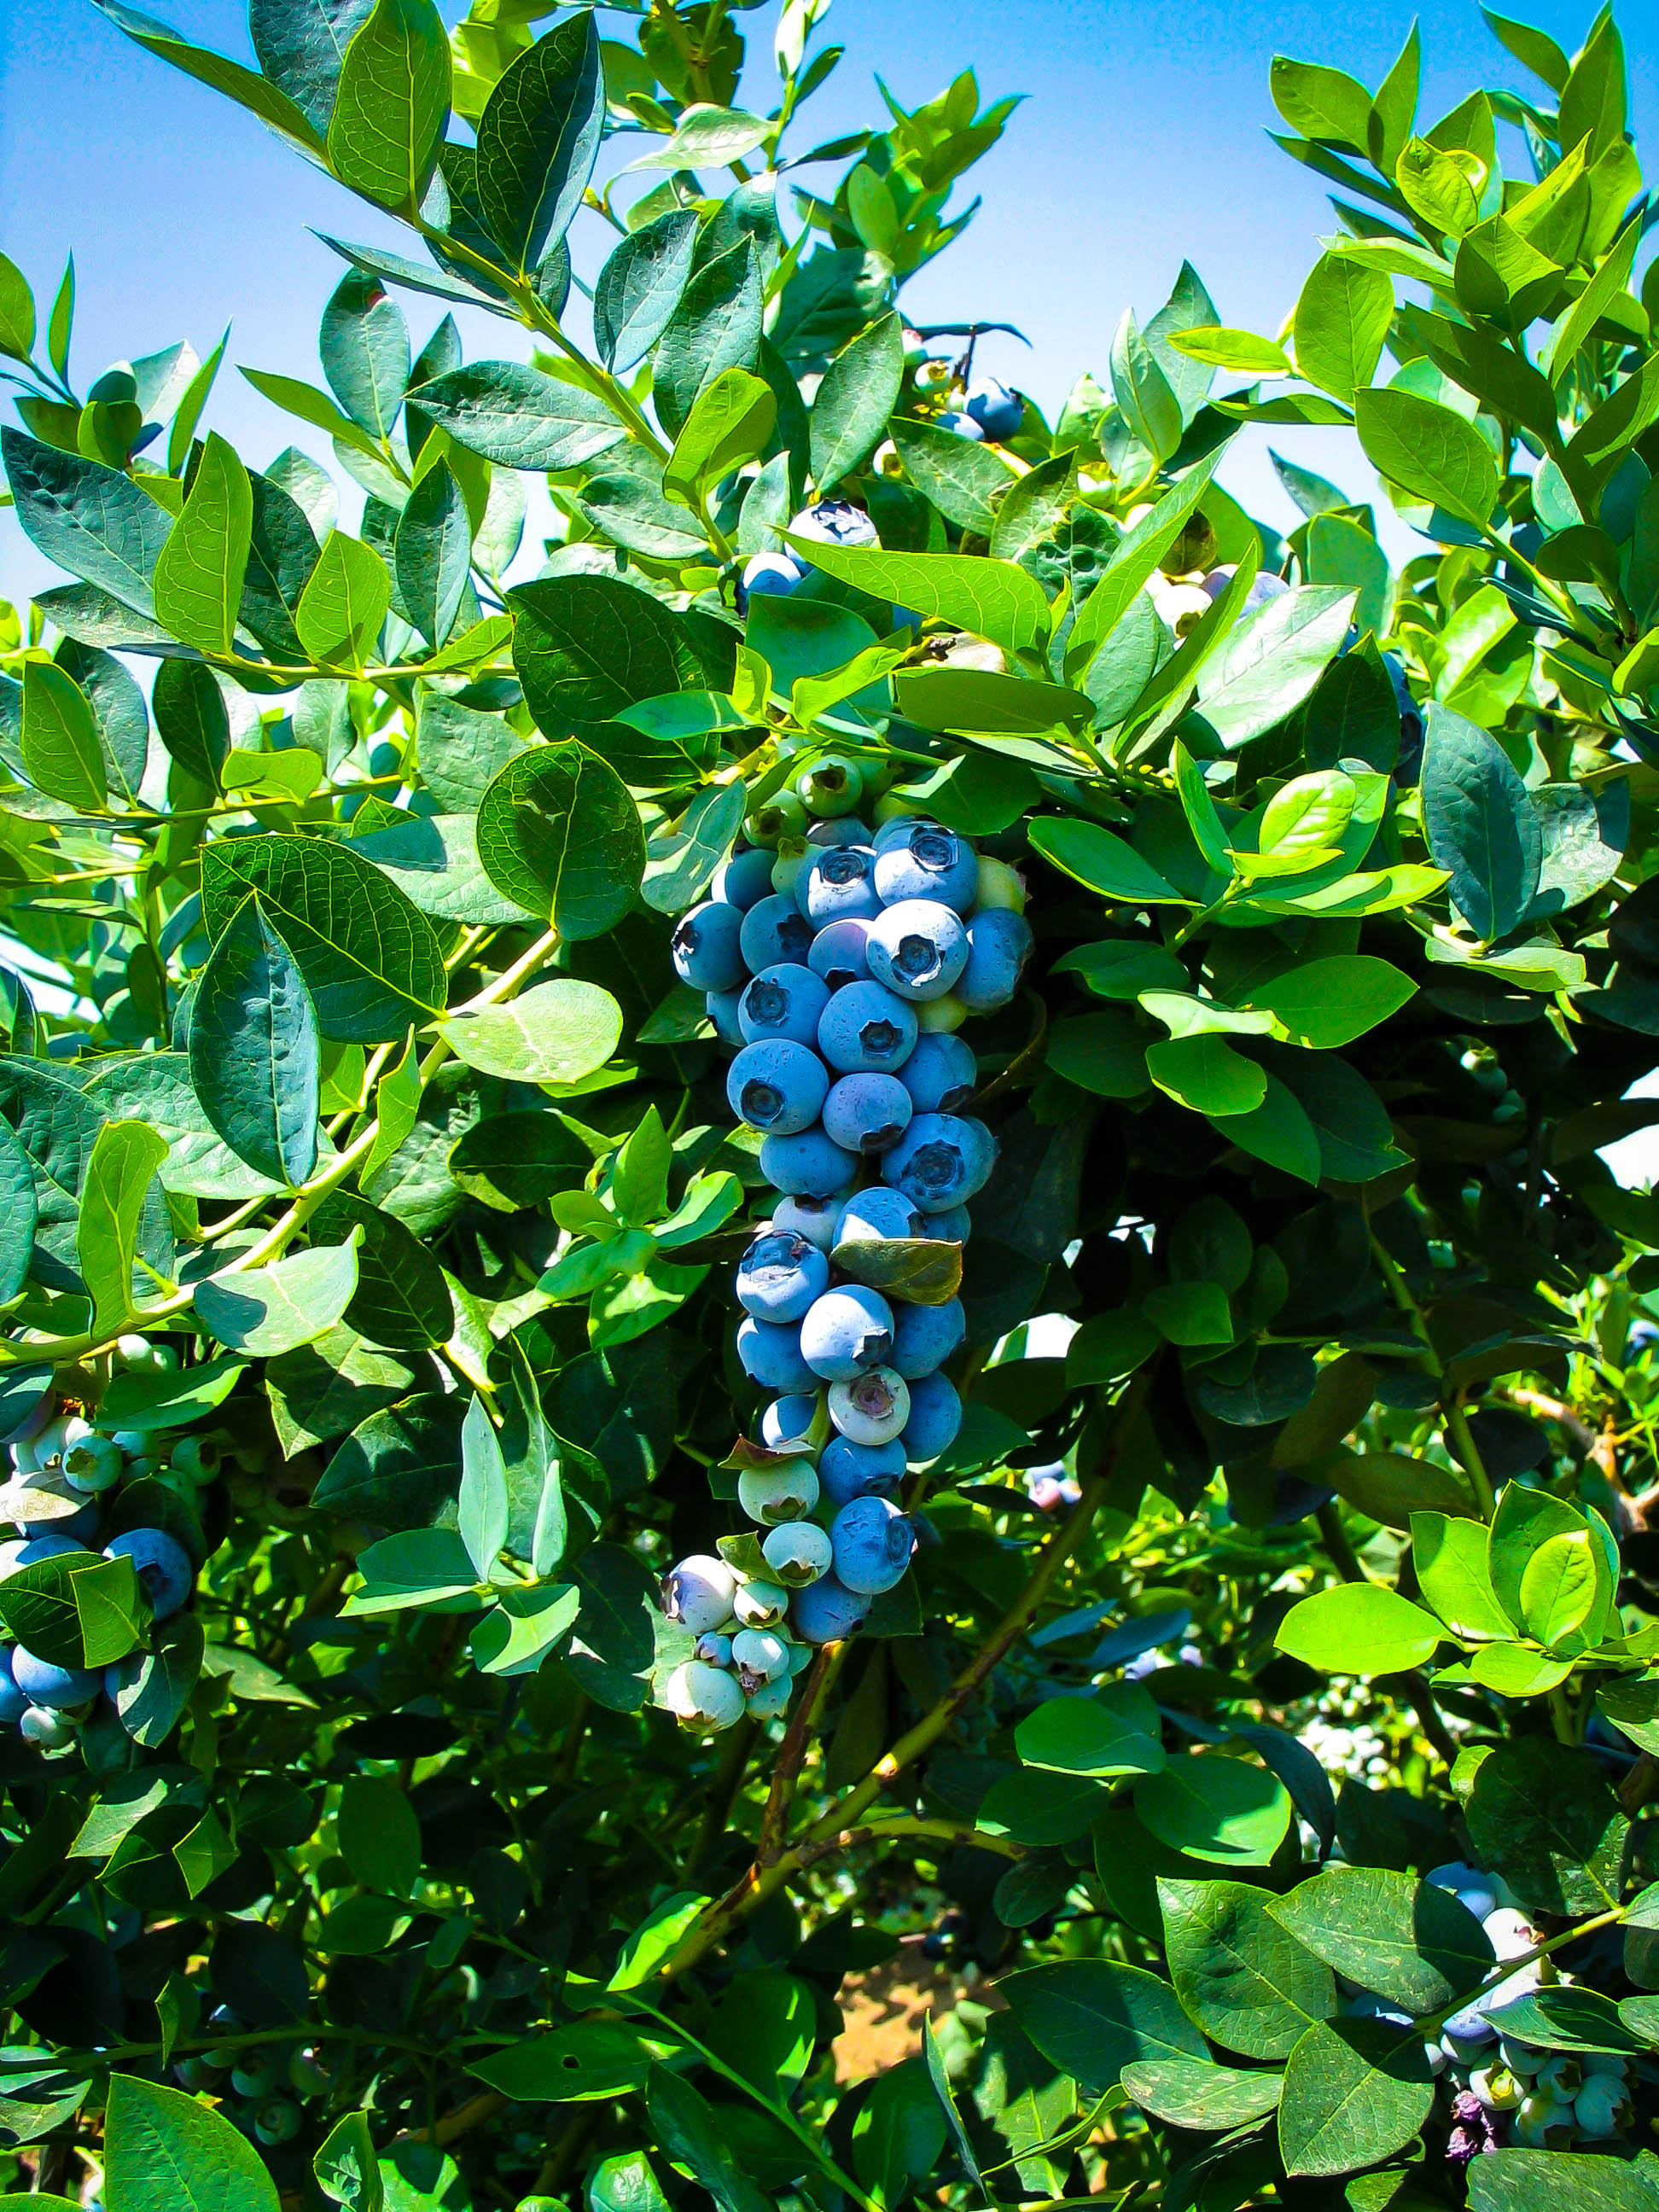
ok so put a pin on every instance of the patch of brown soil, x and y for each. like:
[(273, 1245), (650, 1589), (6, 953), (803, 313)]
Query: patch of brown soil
[(883, 2010)]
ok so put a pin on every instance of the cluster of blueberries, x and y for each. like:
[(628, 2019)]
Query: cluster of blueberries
[(989, 413), (266, 2079), (838, 965), (60, 1453), (1500, 2090)]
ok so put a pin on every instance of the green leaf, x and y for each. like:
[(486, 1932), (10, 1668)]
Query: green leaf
[(170, 1398), (1205, 2099), (1436, 186), (1132, 565), (1204, 1071), (61, 750), (1092, 2017), (559, 835), (656, 1939), (1269, 663), (246, 87), (200, 570), (432, 551), (391, 106), (266, 1311), (1245, 1981), (344, 602), (1359, 1628), (858, 392), (1480, 823), (300, 45), (517, 416), (166, 2152), (1215, 1807), (44, 1607), (153, 1687), (1278, 1131), (730, 422), (191, 719), (1450, 1555), (1429, 452), (1329, 1002), (87, 518), (994, 599), (1544, 1817), (19, 1214), (639, 286), (1189, 1312), (1114, 1732), (1325, 104), (585, 648), (1218, 347), (1102, 861), (523, 1626), (380, 1836), (1416, 1945), (591, 2061), (1352, 1122), (716, 325), (371, 961), (484, 1505), (690, 2134), (17, 312), (254, 1049), (537, 139), (1354, 2091), (402, 1300), (346, 2167), (119, 1170), (964, 480)]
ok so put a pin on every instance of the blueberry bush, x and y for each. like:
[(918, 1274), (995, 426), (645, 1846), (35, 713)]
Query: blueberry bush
[(857, 1228)]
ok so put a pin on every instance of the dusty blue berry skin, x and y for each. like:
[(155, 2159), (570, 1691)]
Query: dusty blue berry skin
[(746, 878), (706, 947), (783, 1001), (814, 1219), (778, 1086), (924, 1337), (940, 1073), (774, 574), (962, 425), (940, 1161), (872, 1541), (14, 1702), (56, 1687), (786, 1421), (998, 411), (837, 829), (867, 1030), (826, 1612), (76, 1528), (999, 946), (774, 930), (847, 1470), (809, 1165), (877, 1213), (953, 1226), (162, 1564), (846, 1331), (770, 1355), (868, 1113), (935, 1419), (838, 954), (721, 1008), (927, 862), (840, 886), (48, 1547), (779, 1276), (918, 948)]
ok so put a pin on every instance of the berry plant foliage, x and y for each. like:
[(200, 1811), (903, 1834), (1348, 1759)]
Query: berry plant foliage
[(837, 1257)]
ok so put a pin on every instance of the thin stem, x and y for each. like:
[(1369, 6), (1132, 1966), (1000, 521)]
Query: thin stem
[(1456, 1420)]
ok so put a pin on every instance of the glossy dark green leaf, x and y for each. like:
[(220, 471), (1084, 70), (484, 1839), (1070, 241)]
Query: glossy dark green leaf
[(461, 750), (370, 959), (1205, 2099), (850, 408), (254, 1056), (559, 835), (58, 1127), (268, 1311), (1093, 2017), (690, 2133), (191, 719), (1480, 823), (60, 745), (538, 140), (396, 1468), (300, 45), (640, 286), (964, 480), (119, 1170), (89, 519), (519, 416), (433, 553), (432, 859), (1415, 1944), (199, 572), (402, 1300), (1543, 1815), (18, 1213), (392, 105), (716, 325), (363, 345), (118, 710), (1247, 1982), (1354, 2091)]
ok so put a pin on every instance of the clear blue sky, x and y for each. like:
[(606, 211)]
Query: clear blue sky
[(1143, 140)]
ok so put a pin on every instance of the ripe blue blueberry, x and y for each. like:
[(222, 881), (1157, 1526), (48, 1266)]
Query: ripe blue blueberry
[(953, 1226), (847, 1470), (837, 829), (840, 886), (14, 1702), (924, 860), (846, 1331), (961, 425), (924, 1337), (766, 575), (833, 522), (57, 1688), (935, 1419), (808, 1165), (999, 946), (33, 1549), (74, 1528), (918, 948), (705, 947), (838, 954), (872, 1410), (785, 1000), (941, 1072), (162, 1564), (872, 1541), (868, 1113), (941, 1160), (769, 1352), (774, 930), (876, 1214), (778, 1086), (721, 1008), (998, 411), (699, 1593), (866, 1030), (785, 1422), (827, 1612), (814, 1219), (745, 880), (779, 1276)]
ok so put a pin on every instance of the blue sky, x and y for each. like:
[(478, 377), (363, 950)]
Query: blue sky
[(1143, 140)]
